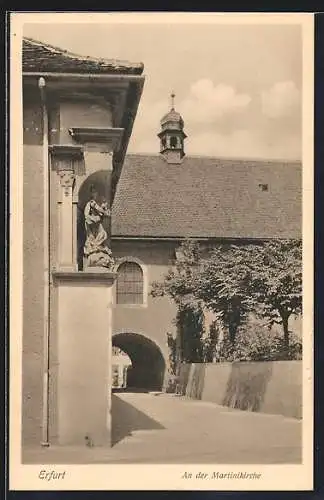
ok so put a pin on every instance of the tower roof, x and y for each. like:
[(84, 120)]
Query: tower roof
[(172, 115)]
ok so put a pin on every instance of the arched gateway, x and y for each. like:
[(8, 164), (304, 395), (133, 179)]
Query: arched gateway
[(148, 364)]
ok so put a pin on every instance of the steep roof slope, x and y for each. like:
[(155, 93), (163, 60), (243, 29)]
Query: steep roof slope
[(42, 57), (208, 197)]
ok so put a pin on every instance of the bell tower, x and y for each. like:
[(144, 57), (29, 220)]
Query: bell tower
[(172, 135)]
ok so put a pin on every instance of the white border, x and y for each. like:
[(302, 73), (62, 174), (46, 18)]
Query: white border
[(155, 477)]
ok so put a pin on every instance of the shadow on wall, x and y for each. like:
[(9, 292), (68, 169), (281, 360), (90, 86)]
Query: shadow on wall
[(273, 387), (126, 419), (247, 385), (192, 380)]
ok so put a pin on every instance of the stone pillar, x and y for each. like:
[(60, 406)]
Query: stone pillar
[(84, 340), (66, 218)]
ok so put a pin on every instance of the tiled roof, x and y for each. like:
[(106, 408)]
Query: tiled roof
[(208, 197), (41, 57)]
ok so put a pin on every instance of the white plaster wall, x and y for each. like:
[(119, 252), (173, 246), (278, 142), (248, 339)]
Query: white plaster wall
[(84, 353)]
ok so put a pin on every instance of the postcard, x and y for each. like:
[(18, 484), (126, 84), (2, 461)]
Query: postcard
[(161, 251)]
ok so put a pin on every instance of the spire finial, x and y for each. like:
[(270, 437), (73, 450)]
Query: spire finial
[(172, 99)]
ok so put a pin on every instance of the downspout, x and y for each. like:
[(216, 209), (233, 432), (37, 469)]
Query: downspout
[(46, 265)]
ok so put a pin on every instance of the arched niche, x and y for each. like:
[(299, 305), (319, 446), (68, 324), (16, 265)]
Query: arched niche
[(101, 181)]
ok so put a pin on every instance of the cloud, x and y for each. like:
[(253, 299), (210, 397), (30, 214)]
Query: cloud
[(220, 121), (281, 100), (241, 143), (207, 103), (238, 143), (245, 143), (204, 105)]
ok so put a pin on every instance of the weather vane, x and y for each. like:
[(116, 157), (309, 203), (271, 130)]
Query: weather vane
[(172, 99)]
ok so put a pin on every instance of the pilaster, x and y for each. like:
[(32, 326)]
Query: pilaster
[(66, 251)]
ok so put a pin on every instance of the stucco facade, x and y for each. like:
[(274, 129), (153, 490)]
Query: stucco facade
[(33, 277), (155, 317)]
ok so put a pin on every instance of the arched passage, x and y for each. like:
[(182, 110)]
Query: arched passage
[(148, 365)]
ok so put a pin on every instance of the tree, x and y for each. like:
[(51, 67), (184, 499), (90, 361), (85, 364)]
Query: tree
[(276, 282), (223, 284), (179, 284), (190, 327), (172, 345), (232, 281)]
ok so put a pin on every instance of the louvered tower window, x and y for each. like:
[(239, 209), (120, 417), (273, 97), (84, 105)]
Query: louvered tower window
[(173, 142)]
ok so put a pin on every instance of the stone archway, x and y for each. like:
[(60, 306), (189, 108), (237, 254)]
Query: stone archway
[(148, 364)]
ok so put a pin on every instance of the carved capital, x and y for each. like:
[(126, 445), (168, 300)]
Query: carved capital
[(67, 179)]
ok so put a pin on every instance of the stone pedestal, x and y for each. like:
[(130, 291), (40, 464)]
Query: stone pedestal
[(84, 352)]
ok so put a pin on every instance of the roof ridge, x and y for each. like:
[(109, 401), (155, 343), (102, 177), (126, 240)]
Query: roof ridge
[(72, 55), (226, 158)]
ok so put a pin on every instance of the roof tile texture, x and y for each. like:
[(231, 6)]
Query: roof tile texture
[(41, 57), (208, 197)]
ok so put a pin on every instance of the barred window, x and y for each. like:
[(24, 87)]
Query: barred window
[(129, 283)]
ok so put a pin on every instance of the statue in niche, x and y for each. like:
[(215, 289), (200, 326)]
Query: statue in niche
[(96, 249)]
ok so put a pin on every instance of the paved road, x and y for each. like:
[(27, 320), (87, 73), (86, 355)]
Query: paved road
[(161, 428)]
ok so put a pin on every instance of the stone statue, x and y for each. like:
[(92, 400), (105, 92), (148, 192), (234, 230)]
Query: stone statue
[(96, 249)]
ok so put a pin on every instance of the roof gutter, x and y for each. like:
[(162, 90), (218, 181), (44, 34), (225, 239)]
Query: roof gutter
[(136, 81), (200, 238), (90, 77)]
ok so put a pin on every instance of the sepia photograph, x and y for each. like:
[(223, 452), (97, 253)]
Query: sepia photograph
[(162, 295)]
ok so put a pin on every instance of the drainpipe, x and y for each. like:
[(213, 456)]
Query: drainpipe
[(46, 264)]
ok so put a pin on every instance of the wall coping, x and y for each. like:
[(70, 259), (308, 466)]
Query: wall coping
[(66, 150), (99, 276), (227, 363), (97, 134)]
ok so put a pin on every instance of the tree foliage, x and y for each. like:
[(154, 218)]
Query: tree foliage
[(277, 282), (190, 328), (180, 285), (223, 284), (233, 281), (260, 343), (179, 282), (172, 345)]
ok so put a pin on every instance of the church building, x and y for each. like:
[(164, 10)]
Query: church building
[(165, 198), (80, 301)]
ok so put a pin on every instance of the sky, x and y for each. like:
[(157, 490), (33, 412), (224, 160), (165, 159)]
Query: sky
[(237, 86)]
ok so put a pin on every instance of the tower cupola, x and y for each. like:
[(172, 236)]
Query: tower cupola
[(172, 135)]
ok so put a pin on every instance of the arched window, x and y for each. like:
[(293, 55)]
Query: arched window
[(129, 284)]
